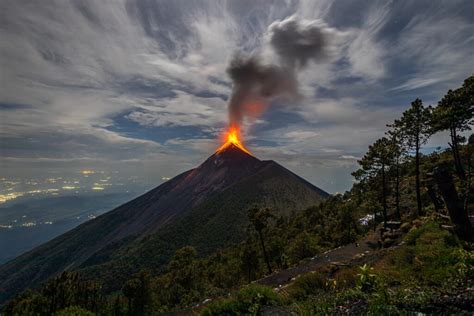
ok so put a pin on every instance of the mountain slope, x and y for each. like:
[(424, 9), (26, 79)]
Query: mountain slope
[(205, 207)]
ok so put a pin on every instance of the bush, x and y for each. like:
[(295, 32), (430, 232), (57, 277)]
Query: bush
[(366, 280), (308, 284), (429, 257), (74, 311), (248, 301)]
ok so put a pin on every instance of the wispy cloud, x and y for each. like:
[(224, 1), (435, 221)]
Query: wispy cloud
[(90, 81)]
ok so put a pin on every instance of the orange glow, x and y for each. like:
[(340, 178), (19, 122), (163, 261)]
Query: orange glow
[(232, 138)]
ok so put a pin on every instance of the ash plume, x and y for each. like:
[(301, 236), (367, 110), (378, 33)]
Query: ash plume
[(256, 82)]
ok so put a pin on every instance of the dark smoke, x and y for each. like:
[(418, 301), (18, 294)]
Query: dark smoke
[(297, 43), (255, 83)]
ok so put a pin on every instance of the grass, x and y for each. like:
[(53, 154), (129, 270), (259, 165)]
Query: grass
[(418, 276)]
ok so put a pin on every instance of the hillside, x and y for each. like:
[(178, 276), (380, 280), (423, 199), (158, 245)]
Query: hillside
[(204, 207), (427, 271)]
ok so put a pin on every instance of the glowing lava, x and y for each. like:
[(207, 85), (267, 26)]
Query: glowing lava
[(232, 138)]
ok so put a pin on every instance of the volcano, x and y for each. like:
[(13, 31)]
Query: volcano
[(205, 207)]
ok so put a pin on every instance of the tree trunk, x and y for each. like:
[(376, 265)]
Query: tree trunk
[(456, 155), (434, 196), (384, 196), (349, 232), (457, 213), (469, 182), (250, 273), (375, 220), (397, 190), (417, 177), (265, 252)]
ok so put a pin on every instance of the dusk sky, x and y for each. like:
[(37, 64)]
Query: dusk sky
[(141, 88)]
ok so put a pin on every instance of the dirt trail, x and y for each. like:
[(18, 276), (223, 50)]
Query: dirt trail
[(365, 251), (341, 256)]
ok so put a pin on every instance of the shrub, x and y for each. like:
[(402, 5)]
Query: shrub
[(308, 284), (366, 281), (248, 301), (429, 257)]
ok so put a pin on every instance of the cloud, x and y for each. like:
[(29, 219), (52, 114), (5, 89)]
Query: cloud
[(96, 79), (183, 109), (437, 52), (365, 52)]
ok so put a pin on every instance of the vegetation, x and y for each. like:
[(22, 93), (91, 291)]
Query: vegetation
[(420, 276), (248, 301), (428, 273)]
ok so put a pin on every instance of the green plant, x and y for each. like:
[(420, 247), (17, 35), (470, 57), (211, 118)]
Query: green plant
[(366, 281), (465, 266)]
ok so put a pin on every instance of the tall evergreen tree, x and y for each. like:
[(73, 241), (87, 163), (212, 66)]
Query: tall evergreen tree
[(414, 129), (454, 113), (374, 165), (398, 151), (249, 261)]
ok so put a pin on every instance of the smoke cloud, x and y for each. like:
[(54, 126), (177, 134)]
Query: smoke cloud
[(256, 82)]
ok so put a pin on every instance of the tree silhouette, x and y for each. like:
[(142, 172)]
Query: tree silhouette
[(414, 130), (374, 163), (249, 260), (138, 293), (259, 218), (454, 113), (398, 151)]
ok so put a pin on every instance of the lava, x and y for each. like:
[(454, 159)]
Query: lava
[(232, 138)]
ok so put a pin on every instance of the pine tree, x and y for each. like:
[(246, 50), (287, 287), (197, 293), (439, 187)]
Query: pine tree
[(414, 130), (454, 113), (374, 165), (398, 151)]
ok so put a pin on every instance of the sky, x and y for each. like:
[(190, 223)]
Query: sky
[(141, 87)]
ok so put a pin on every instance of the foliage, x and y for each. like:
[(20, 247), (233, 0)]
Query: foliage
[(412, 278), (454, 113), (375, 162), (248, 301), (68, 289), (74, 311), (309, 284), (366, 280)]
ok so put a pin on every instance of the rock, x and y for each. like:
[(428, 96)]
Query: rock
[(388, 243)]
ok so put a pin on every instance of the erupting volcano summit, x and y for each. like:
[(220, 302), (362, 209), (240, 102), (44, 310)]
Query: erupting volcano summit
[(233, 138)]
